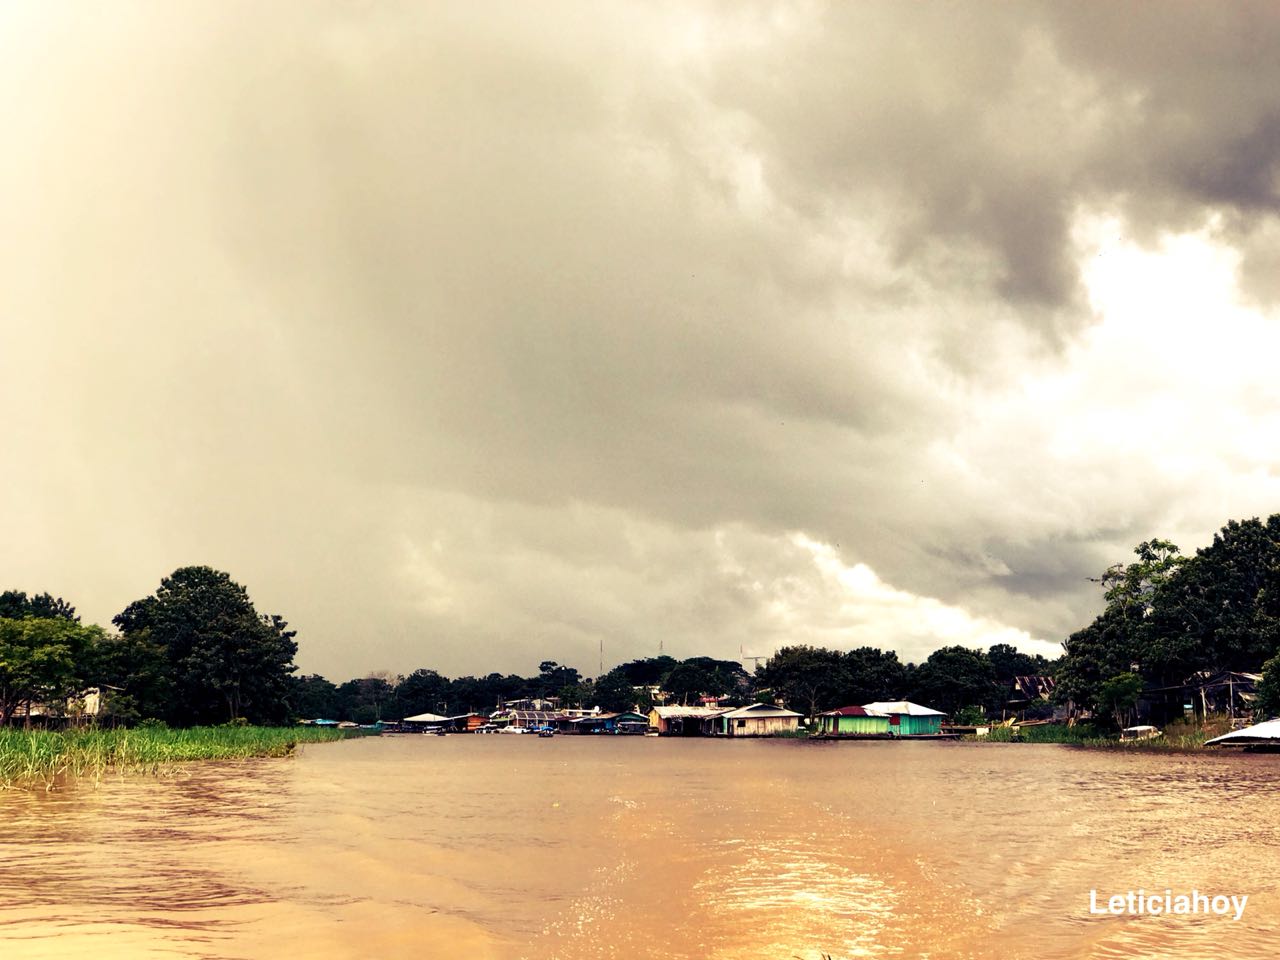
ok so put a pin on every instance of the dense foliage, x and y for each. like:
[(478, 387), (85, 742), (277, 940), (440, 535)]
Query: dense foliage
[(199, 643), (1170, 618)]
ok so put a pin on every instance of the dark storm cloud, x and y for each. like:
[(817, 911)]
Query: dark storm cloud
[(480, 336)]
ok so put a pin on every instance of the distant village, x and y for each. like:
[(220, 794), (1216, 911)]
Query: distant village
[(707, 719), (1028, 703)]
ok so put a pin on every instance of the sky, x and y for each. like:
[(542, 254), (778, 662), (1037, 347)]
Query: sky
[(467, 338)]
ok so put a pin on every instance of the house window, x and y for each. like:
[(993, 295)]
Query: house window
[(741, 723)]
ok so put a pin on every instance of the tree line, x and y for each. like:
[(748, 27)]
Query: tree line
[(197, 651), (194, 652), (1169, 618)]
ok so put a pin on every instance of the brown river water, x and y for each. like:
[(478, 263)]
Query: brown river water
[(602, 847)]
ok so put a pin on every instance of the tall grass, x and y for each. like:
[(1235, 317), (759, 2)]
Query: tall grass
[(1178, 736), (37, 758)]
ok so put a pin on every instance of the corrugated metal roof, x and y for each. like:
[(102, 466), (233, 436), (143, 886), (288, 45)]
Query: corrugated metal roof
[(759, 710), (667, 713), (902, 707), (425, 718), (853, 711)]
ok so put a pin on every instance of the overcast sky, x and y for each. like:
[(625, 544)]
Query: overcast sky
[(467, 336)]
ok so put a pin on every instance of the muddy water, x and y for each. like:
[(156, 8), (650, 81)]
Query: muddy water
[(507, 847)]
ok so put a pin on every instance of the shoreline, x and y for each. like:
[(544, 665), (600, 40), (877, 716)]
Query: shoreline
[(49, 760)]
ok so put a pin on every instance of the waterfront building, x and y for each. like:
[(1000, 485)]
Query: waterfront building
[(853, 721), (757, 720), (907, 719)]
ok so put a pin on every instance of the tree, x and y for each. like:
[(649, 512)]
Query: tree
[(314, 698), (807, 679), (869, 675), (367, 700), (423, 691), (132, 672), (225, 659), (1268, 704), (614, 692), (649, 671), (1121, 637), (15, 604), (554, 680), (41, 659), (1119, 695), (689, 681), (1009, 662), (955, 677)]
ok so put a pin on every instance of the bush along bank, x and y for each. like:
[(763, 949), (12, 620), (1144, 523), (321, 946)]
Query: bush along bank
[(34, 759)]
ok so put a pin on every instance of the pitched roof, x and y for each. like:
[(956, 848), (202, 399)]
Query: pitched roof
[(759, 710), (854, 711), (901, 707), (426, 718), (682, 711)]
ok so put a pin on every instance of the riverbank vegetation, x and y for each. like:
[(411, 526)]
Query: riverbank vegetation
[(197, 652), (45, 758)]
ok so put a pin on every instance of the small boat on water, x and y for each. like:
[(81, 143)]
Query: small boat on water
[(546, 732), (1141, 732), (1260, 736)]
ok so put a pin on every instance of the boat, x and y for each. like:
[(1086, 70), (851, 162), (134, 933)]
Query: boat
[(1260, 737), (546, 732), (1141, 732)]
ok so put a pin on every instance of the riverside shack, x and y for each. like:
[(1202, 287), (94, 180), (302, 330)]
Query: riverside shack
[(681, 721), (907, 719), (852, 721), (757, 720)]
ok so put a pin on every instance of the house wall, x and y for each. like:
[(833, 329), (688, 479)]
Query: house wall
[(909, 726), (856, 725), (761, 726)]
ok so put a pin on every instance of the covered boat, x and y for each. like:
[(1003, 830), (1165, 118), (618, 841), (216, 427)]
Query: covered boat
[(1266, 733)]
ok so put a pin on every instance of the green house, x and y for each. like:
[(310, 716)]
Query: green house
[(907, 719), (852, 722)]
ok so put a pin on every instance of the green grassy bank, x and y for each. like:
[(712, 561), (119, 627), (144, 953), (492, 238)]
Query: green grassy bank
[(1179, 736), (35, 759)]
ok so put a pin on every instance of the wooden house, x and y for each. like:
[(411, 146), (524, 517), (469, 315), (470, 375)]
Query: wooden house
[(757, 720), (681, 721)]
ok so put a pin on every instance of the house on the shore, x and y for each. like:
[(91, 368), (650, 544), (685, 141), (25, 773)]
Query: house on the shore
[(609, 723), (1030, 698), (907, 719), (681, 721), (852, 721), (757, 720)]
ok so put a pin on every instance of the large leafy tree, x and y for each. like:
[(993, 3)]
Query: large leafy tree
[(955, 677), (613, 691), (1222, 611), (808, 679), (225, 660), (1120, 638), (869, 674), (42, 659)]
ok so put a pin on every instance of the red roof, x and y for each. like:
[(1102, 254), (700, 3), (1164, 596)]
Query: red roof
[(846, 712)]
